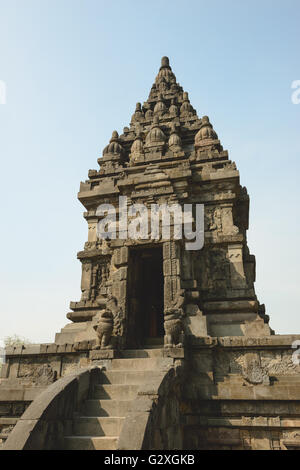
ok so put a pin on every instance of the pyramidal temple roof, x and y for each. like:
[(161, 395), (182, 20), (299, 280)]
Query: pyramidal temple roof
[(163, 127)]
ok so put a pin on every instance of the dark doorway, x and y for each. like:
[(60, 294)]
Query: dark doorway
[(146, 296)]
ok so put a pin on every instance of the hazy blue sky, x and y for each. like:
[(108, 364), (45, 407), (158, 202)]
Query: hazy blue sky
[(74, 71)]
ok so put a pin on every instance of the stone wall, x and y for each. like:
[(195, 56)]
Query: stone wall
[(239, 393), (243, 393)]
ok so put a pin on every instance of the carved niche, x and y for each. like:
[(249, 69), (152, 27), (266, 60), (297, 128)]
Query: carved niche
[(99, 278)]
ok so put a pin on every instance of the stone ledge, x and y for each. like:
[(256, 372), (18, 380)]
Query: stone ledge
[(224, 442), (236, 342), (237, 392), (273, 341), (176, 353), (244, 422), (8, 421), (49, 348), (291, 443), (194, 343), (231, 306), (81, 315), (99, 354), (20, 394)]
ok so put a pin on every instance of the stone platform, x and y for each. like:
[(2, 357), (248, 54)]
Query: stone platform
[(237, 392)]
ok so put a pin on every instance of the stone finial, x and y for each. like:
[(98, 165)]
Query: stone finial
[(160, 106), (114, 136), (138, 114), (155, 134), (114, 146), (137, 147), (173, 110), (186, 107), (174, 140), (165, 72), (206, 131), (165, 61)]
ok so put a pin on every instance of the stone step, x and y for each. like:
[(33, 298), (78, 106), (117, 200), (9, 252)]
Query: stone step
[(153, 351), (8, 420), (115, 392), (232, 378), (235, 379), (106, 407), (158, 341), (127, 377), (292, 379), (90, 443), (149, 363), (95, 426)]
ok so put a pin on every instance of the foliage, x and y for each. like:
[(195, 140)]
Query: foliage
[(15, 340)]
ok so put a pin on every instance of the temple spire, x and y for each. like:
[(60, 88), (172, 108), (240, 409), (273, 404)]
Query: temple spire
[(151, 135)]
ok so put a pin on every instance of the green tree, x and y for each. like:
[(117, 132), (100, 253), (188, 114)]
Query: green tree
[(12, 341), (15, 340)]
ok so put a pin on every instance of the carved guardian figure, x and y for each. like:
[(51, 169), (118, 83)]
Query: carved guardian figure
[(104, 328), (173, 325)]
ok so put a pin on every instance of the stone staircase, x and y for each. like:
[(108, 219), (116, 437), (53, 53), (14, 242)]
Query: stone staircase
[(98, 425)]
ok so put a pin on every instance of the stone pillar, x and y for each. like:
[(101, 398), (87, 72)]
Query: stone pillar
[(228, 228), (194, 321), (235, 256), (86, 279), (171, 269), (92, 230), (173, 296), (119, 276)]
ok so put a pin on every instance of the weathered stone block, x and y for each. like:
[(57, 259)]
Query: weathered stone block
[(176, 353), (103, 354)]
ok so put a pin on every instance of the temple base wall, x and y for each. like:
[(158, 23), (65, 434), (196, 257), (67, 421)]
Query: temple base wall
[(238, 392)]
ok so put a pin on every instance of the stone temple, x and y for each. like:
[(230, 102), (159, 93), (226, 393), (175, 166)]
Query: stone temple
[(167, 348)]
